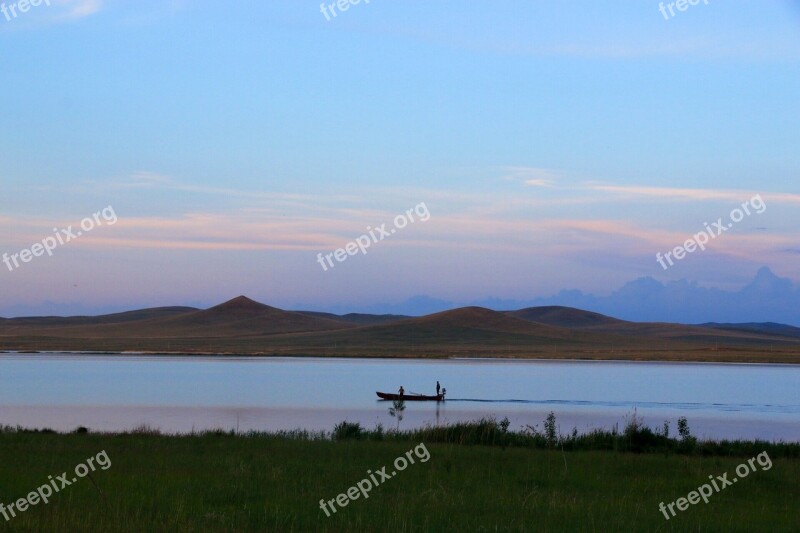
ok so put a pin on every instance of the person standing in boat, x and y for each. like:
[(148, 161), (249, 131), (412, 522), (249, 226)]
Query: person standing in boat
[(438, 388), (401, 390)]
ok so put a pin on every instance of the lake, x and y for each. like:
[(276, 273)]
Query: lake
[(181, 394)]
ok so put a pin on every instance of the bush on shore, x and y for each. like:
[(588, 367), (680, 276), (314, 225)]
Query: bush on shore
[(635, 437)]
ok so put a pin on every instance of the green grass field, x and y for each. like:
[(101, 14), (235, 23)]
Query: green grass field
[(267, 483)]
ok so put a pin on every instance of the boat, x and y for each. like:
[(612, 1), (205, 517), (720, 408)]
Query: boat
[(410, 397)]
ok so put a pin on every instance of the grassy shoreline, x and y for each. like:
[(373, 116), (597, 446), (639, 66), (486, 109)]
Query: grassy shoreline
[(474, 480)]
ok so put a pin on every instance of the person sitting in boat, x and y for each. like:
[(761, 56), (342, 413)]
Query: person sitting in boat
[(401, 390), (444, 392)]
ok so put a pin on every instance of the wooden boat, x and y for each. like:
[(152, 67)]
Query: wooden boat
[(410, 397)]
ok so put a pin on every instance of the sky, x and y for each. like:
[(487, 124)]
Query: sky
[(228, 148)]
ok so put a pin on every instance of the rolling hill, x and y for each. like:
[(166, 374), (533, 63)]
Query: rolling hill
[(768, 328), (244, 326), (566, 317)]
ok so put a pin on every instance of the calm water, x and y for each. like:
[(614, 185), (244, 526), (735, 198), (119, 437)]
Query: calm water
[(178, 394)]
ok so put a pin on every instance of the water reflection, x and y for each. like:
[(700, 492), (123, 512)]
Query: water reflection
[(181, 394)]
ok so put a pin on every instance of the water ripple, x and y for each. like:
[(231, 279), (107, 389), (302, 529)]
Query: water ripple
[(744, 407)]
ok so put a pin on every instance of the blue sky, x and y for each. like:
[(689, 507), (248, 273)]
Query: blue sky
[(556, 144)]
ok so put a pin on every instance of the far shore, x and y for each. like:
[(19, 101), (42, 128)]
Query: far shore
[(745, 358)]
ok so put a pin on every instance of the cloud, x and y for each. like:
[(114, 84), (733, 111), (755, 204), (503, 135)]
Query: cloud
[(145, 180), (532, 176), (588, 34), (84, 8), (585, 192), (553, 179), (694, 194), (500, 221), (77, 9)]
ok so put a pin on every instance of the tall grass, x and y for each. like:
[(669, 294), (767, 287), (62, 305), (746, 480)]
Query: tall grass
[(635, 437), (496, 480)]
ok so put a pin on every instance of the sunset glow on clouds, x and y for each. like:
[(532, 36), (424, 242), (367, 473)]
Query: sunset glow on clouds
[(548, 159)]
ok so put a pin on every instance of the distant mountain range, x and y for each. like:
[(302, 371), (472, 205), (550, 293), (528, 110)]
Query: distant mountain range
[(766, 298), (243, 326)]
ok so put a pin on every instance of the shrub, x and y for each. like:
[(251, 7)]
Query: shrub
[(550, 433), (688, 442), (348, 431)]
